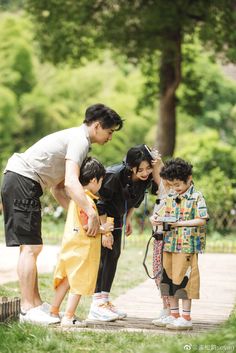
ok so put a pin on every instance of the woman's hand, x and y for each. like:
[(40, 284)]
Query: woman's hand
[(129, 228), (156, 158)]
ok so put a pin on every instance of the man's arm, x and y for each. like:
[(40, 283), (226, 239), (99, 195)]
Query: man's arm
[(76, 192), (59, 193)]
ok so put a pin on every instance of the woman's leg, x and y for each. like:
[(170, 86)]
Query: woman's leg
[(100, 308), (108, 264)]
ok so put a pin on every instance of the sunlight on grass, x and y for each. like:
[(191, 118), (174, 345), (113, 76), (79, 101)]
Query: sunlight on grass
[(27, 339)]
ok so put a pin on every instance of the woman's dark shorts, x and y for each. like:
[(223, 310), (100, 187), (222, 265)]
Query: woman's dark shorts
[(21, 209)]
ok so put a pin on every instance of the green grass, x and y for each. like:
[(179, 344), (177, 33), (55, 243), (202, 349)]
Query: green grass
[(28, 338), (130, 273), (18, 338)]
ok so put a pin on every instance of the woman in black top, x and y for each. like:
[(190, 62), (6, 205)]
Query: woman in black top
[(122, 191)]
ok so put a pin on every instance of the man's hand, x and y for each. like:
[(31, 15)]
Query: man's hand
[(93, 225)]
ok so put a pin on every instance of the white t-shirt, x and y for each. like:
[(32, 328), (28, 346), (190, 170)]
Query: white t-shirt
[(44, 162)]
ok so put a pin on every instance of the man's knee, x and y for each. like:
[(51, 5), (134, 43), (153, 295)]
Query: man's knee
[(31, 250)]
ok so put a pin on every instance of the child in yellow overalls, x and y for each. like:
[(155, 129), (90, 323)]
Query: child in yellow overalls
[(79, 257)]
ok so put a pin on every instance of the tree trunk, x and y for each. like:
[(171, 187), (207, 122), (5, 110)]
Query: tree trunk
[(170, 77)]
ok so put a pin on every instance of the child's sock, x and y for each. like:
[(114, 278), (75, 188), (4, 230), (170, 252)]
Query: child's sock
[(186, 314), (97, 298), (54, 310), (105, 297), (174, 312)]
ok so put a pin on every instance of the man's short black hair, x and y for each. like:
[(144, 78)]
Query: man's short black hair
[(91, 168), (176, 168), (107, 117)]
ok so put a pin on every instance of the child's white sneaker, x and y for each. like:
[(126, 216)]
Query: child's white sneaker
[(180, 324), (164, 321), (72, 322), (163, 313), (101, 313)]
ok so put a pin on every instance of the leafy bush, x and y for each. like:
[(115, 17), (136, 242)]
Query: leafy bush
[(214, 170)]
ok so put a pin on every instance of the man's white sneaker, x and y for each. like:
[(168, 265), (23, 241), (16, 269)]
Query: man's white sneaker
[(180, 324), (73, 322), (164, 321), (46, 307), (163, 313), (101, 313), (113, 308), (38, 316)]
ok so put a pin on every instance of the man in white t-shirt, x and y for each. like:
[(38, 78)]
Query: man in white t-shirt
[(53, 162)]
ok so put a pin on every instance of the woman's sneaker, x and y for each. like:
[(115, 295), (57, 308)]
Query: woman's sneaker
[(164, 321), (101, 313), (180, 324), (72, 322), (164, 313), (113, 308)]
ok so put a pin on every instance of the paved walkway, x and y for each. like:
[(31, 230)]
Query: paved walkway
[(218, 294), (142, 303)]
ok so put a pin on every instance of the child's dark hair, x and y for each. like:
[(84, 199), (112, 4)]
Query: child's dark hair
[(91, 168), (136, 155), (107, 117), (176, 168)]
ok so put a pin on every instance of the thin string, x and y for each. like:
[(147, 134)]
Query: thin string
[(145, 210), (124, 223)]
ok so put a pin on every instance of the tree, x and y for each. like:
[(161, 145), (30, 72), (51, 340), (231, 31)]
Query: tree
[(39, 98), (71, 30), (214, 170), (206, 97)]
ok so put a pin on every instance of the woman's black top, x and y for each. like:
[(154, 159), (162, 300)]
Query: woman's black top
[(119, 193)]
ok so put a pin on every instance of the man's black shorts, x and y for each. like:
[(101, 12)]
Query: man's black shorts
[(21, 209)]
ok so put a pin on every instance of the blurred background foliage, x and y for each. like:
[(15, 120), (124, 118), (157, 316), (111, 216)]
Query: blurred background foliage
[(38, 98)]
